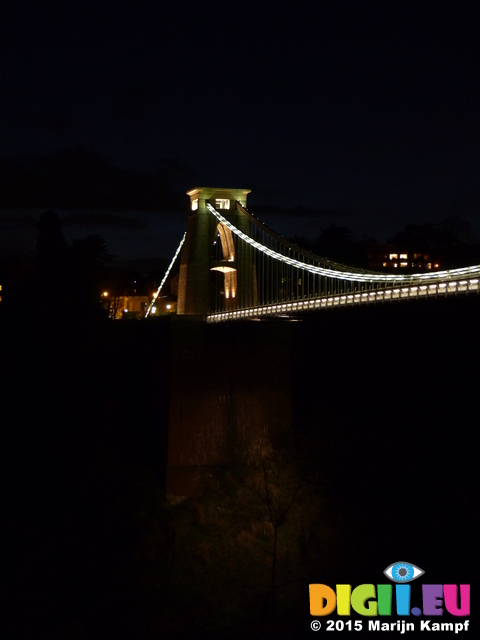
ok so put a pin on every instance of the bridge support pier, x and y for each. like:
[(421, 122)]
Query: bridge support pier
[(230, 397)]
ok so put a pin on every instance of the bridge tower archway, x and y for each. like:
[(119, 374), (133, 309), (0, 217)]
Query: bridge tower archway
[(197, 262), (226, 265)]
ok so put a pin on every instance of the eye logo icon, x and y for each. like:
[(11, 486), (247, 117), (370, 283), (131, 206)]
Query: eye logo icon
[(403, 572)]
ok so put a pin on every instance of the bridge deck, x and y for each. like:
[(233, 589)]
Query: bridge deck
[(365, 297)]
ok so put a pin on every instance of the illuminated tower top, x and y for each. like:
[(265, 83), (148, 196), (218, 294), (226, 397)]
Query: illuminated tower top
[(219, 198)]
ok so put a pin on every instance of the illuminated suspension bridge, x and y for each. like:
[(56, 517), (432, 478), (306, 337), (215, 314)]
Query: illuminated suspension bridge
[(234, 267)]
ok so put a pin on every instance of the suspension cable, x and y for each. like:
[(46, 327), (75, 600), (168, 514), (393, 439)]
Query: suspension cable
[(157, 293), (344, 275)]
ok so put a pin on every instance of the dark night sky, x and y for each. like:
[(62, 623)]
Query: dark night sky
[(363, 114)]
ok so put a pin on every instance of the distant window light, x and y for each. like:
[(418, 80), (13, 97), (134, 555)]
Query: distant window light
[(403, 256), (195, 204), (429, 265), (436, 265), (395, 264), (384, 264), (393, 256), (404, 264), (222, 203)]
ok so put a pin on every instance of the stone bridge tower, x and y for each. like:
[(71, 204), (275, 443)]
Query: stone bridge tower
[(196, 262)]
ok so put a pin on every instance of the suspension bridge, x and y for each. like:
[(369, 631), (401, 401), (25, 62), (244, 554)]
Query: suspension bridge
[(233, 267), (234, 386)]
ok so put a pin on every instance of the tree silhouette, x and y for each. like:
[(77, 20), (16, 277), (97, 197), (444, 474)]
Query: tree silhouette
[(417, 237), (50, 263), (338, 244), (68, 279), (88, 260), (451, 241)]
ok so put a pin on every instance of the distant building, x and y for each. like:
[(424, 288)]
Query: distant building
[(134, 307), (120, 307), (388, 257), (164, 305)]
